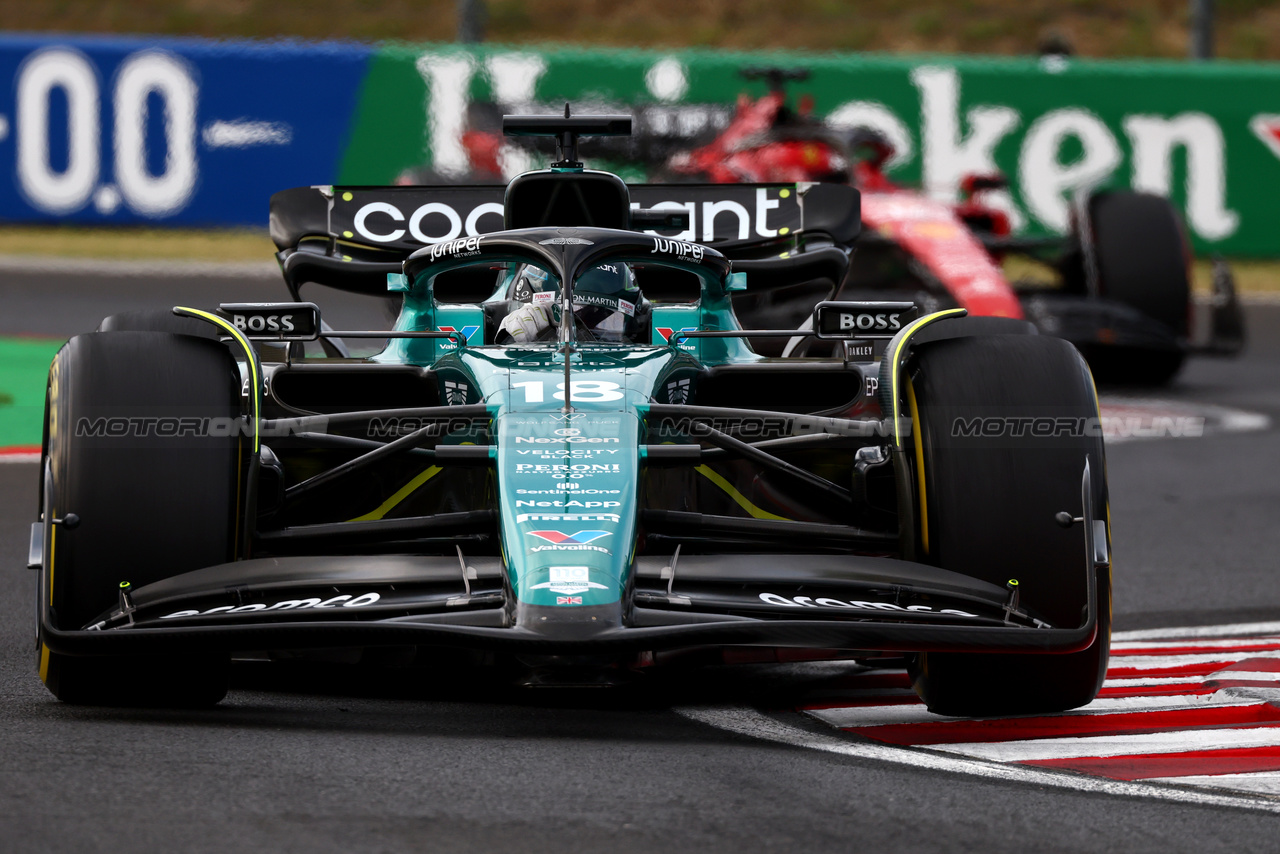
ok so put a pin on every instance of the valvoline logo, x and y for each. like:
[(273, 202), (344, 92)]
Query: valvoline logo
[(666, 332), (581, 538), (468, 332)]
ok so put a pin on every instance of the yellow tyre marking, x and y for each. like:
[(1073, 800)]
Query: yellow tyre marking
[(53, 544), (44, 664), (249, 356), (239, 489), (919, 442), (914, 327)]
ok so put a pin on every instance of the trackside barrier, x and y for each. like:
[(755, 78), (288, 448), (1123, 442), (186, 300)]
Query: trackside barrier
[(193, 132)]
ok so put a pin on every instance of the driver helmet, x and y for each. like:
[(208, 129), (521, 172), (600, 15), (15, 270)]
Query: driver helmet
[(605, 298)]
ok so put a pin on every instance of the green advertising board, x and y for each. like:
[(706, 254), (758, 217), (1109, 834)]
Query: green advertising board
[(1205, 134)]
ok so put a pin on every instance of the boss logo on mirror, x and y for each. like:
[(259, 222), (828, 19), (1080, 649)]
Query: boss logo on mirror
[(864, 322), (263, 322), (861, 320), (275, 321)]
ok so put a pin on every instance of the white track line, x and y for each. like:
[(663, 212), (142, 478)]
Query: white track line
[(1228, 631), (1268, 676), (751, 723), (998, 761), (873, 716), (1259, 782), (1136, 648), (1158, 662), (19, 458), (1077, 747), (1139, 681), (864, 716)]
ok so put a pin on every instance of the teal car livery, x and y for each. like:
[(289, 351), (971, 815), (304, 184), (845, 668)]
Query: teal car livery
[(538, 467)]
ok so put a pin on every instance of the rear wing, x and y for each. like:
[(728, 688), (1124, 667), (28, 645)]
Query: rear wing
[(351, 237)]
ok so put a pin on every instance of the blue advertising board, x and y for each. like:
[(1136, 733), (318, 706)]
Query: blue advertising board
[(168, 131)]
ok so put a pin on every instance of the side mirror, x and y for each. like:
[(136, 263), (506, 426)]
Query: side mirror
[(274, 321), (862, 319), (659, 220)]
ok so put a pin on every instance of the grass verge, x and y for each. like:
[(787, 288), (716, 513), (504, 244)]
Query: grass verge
[(24, 367), (134, 244)]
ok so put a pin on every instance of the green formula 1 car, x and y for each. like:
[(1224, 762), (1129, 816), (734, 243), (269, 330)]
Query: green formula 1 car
[(569, 456)]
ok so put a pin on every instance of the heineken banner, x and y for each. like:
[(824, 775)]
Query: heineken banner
[(190, 132)]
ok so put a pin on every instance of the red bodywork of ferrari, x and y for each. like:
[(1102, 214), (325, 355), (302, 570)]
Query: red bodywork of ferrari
[(765, 143)]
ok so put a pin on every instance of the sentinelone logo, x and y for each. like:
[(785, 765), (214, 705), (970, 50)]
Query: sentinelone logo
[(1158, 426)]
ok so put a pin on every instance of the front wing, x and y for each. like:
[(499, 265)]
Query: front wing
[(795, 601)]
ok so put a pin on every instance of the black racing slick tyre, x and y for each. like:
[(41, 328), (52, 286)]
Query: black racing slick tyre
[(138, 450), (158, 321), (1140, 258), (988, 504)]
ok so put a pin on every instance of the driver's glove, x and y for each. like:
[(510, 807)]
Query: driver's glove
[(526, 323)]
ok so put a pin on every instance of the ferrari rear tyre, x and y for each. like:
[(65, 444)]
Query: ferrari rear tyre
[(988, 505), (141, 449), (1140, 258)]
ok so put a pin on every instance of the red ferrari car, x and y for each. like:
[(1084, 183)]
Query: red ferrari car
[(1117, 286)]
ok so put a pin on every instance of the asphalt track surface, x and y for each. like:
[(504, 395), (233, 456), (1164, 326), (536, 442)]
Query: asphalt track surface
[(312, 760)]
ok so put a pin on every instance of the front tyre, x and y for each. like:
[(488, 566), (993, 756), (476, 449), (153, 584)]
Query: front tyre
[(988, 506), (141, 447)]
